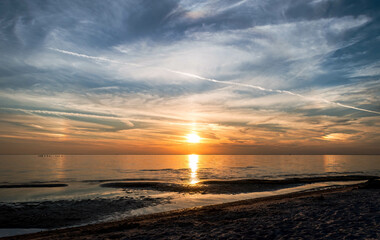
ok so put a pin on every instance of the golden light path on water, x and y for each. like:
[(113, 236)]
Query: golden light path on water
[(193, 165)]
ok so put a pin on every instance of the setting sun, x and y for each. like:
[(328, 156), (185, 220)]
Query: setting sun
[(193, 138)]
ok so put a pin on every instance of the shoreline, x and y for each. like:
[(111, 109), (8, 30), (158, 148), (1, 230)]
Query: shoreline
[(66, 213), (135, 227)]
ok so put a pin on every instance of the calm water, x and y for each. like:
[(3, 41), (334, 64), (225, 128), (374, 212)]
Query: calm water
[(78, 170), (174, 168)]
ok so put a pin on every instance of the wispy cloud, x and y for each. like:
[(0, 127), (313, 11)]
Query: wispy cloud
[(224, 82)]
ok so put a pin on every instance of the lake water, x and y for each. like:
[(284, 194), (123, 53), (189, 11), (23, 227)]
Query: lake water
[(83, 173)]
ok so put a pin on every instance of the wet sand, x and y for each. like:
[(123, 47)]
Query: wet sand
[(64, 213), (343, 213)]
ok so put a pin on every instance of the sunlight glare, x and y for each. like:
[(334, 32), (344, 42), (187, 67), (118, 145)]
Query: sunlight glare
[(193, 138), (193, 165)]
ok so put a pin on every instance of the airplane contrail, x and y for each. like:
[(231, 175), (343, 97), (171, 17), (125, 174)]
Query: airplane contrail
[(217, 81), (272, 90)]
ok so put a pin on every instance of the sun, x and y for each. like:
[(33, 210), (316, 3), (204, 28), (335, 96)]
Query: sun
[(193, 138)]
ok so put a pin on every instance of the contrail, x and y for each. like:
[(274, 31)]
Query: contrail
[(217, 81), (271, 90), (103, 59)]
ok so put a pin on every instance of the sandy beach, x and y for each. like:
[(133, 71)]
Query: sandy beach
[(344, 213)]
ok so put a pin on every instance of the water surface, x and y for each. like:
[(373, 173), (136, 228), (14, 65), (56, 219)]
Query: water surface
[(84, 173)]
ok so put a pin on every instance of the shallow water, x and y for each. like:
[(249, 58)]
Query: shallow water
[(5, 232)]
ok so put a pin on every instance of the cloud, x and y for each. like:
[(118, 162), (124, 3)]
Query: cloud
[(226, 82), (371, 70), (245, 71), (336, 137)]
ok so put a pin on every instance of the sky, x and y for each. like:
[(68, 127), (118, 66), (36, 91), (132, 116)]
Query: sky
[(137, 77)]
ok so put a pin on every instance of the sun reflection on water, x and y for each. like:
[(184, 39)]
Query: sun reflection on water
[(193, 165)]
